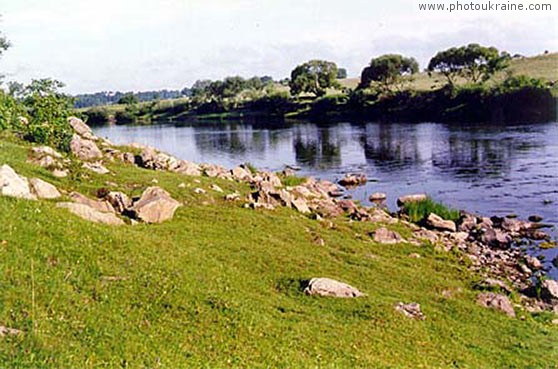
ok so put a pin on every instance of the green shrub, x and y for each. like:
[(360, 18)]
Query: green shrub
[(10, 111), (417, 211), (515, 83), (97, 116), (49, 120)]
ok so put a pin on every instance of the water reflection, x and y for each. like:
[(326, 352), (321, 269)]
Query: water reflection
[(317, 147), (390, 147)]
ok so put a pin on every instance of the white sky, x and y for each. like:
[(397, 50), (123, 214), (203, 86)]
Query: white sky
[(98, 45)]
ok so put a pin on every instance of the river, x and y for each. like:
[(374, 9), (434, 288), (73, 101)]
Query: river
[(487, 169)]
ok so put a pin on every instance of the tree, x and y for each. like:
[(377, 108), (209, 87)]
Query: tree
[(128, 99), (341, 73), (314, 77), (388, 71), (473, 62)]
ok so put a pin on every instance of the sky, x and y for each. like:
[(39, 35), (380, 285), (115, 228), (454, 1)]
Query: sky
[(139, 45)]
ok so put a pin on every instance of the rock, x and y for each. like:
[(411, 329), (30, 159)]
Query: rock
[(96, 167), (300, 205), (533, 262), (213, 171), (535, 218), (414, 255), (385, 236), (60, 173), (496, 301), (5, 331), (128, 157), (353, 180), (84, 149), (43, 190), (425, 234), (411, 310), (119, 201), (81, 128), (549, 289), (41, 151), (13, 185), (436, 222), (90, 214), (102, 206), (467, 223), (188, 168), (496, 238), (241, 174), (155, 206), (150, 158), (182, 185), (199, 191), (348, 206), (411, 198), (378, 196), (216, 188), (232, 197), (331, 288)]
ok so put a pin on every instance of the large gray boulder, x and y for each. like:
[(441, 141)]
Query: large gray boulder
[(85, 149), (43, 190), (13, 185), (88, 213), (496, 301), (331, 288), (155, 206)]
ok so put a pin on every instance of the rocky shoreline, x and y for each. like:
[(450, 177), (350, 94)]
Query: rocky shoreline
[(485, 245)]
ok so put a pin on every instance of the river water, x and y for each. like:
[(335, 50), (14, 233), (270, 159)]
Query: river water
[(487, 169)]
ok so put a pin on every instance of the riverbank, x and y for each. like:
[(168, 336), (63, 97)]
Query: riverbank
[(526, 92), (220, 284)]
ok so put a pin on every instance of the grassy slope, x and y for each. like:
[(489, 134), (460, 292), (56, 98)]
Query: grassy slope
[(217, 287)]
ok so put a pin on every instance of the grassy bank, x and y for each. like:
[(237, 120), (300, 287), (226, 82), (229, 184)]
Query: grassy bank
[(218, 287)]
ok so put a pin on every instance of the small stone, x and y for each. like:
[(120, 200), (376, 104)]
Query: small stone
[(60, 173), (214, 187), (232, 197), (411, 310), (182, 185), (411, 198), (386, 236), (331, 288), (155, 206), (5, 331), (199, 191), (414, 255), (378, 196), (533, 262)]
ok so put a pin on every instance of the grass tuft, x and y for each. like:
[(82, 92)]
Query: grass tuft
[(419, 210)]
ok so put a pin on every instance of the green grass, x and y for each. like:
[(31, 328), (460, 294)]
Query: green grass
[(217, 287), (419, 210)]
